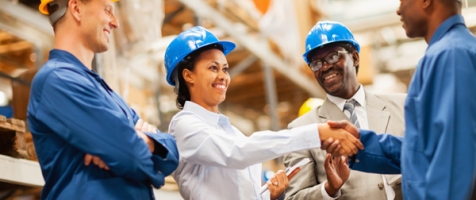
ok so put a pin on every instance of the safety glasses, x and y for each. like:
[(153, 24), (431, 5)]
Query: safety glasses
[(330, 59)]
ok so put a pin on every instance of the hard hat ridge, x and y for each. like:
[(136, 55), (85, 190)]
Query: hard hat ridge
[(186, 43), (327, 32)]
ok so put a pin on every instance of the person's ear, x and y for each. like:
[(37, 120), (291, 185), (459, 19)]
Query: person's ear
[(426, 3), (187, 76), (76, 9), (355, 58)]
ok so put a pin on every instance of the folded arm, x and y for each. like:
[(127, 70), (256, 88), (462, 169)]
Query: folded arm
[(78, 113)]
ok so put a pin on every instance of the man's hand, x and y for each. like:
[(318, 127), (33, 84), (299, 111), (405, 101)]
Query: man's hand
[(147, 140), (141, 127), (280, 182), (349, 127), (145, 127), (347, 144), (88, 158), (337, 172)]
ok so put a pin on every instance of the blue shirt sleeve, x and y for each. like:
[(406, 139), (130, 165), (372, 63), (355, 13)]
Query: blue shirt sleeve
[(447, 122), (80, 114), (165, 155), (381, 154)]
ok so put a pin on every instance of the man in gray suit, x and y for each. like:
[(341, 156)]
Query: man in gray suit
[(333, 55)]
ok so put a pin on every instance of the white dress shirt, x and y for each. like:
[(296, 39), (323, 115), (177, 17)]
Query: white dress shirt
[(217, 161), (360, 110)]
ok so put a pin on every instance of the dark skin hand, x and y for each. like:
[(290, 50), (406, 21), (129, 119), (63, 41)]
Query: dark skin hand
[(350, 128), (282, 183), (348, 143), (337, 172)]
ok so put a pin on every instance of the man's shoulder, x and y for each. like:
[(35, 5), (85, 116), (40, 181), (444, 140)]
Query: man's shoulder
[(454, 42), (60, 68), (309, 118), (390, 97)]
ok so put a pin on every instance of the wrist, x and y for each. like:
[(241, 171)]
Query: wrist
[(322, 130), (332, 192), (151, 144)]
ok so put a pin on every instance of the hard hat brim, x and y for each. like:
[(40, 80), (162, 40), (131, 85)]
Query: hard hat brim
[(227, 48), (43, 8), (306, 54)]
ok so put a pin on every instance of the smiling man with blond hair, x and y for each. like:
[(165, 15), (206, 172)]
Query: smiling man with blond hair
[(90, 143)]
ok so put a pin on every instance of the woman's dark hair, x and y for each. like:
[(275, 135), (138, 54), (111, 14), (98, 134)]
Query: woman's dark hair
[(181, 89)]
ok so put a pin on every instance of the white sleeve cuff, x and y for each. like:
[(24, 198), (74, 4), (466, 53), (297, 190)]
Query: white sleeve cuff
[(326, 196), (306, 136)]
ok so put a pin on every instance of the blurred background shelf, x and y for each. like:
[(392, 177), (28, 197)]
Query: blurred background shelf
[(20, 172)]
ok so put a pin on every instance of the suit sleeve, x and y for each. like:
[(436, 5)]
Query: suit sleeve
[(305, 184), (76, 111)]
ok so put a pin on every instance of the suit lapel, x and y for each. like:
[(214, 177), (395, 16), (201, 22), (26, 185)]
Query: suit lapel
[(330, 111), (378, 118), (378, 122)]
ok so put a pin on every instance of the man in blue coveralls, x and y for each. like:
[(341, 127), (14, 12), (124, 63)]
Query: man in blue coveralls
[(76, 119), (437, 154)]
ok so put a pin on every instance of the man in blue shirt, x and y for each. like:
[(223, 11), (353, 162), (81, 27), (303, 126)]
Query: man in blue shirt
[(437, 154), (76, 119)]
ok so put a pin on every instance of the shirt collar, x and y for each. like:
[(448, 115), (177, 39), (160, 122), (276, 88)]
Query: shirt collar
[(70, 58), (202, 112), (359, 96), (445, 26)]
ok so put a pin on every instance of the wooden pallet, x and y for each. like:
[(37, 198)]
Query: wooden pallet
[(12, 138)]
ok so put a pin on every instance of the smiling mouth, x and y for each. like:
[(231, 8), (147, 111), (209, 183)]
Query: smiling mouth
[(329, 77), (220, 87)]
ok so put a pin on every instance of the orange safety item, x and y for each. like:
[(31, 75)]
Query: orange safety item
[(43, 4)]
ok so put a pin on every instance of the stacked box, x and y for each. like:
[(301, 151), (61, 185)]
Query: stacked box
[(12, 139)]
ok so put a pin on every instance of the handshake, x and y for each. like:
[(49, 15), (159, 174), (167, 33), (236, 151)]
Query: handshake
[(340, 138)]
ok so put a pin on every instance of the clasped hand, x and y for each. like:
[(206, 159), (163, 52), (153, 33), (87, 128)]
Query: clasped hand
[(340, 138)]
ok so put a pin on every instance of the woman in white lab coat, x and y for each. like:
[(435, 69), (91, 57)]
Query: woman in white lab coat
[(216, 160)]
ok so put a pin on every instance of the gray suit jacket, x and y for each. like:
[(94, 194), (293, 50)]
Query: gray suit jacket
[(385, 115)]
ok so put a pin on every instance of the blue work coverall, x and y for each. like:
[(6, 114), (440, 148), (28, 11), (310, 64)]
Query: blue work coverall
[(73, 112), (437, 156)]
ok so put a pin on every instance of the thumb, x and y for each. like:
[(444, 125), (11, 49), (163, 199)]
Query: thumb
[(87, 159), (327, 162), (346, 125), (139, 124)]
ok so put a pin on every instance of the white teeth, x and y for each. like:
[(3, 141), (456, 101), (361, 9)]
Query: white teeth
[(220, 86), (330, 76)]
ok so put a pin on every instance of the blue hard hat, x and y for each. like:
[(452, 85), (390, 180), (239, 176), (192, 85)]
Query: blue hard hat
[(188, 42), (327, 32)]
